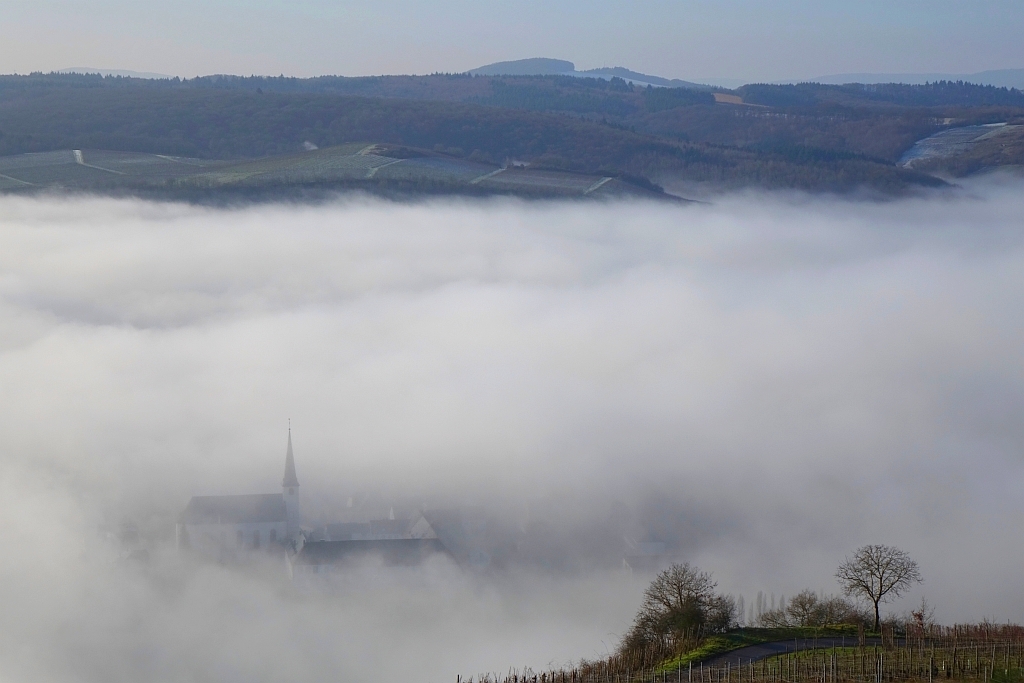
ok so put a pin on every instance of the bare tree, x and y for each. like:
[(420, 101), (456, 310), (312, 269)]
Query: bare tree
[(837, 610), (878, 573), (808, 609), (681, 598), (803, 608), (774, 618)]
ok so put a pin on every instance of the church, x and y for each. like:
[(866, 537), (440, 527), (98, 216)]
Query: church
[(233, 528), (223, 525)]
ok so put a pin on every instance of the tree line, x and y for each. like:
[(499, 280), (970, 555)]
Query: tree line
[(683, 600)]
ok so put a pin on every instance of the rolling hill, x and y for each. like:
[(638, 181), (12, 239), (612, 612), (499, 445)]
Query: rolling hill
[(808, 136)]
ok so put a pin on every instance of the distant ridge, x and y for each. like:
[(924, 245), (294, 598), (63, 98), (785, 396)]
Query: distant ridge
[(112, 72), (640, 78), (537, 66), (543, 66), (1000, 78)]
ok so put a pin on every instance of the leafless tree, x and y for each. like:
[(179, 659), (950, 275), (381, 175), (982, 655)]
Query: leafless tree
[(878, 573), (680, 599), (808, 609), (774, 618), (803, 608), (834, 609)]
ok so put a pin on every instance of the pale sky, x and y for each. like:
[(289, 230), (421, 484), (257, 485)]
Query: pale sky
[(691, 39)]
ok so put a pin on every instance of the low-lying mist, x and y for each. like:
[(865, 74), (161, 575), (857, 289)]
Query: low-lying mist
[(763, 384)]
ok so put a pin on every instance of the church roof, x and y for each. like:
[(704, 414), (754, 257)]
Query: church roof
[(390, 527), (249, 508), (346, 531), (289, 465)]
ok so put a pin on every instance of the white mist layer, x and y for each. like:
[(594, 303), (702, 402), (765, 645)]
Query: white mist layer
[(780, 379)]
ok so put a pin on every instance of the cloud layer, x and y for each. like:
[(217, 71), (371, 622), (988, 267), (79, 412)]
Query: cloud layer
[(765, 383)]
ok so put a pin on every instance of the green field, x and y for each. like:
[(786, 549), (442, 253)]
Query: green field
[(374, 168)]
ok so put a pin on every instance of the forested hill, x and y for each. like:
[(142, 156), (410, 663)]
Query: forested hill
[(806, 136), (939, 94), (466, 87), (229, 124)]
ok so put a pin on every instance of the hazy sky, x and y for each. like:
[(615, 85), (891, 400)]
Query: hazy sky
[(783, 378), (746, 39)]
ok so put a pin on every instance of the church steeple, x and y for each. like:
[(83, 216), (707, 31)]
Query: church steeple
[(290, 480), (290, 488)]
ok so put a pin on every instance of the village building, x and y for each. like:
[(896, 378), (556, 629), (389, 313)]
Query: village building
[(223, 525)]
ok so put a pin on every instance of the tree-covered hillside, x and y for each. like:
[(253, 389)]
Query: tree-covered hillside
[(808, 136)]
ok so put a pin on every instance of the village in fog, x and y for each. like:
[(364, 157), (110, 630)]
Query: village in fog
[(532, 342), (238, 530)]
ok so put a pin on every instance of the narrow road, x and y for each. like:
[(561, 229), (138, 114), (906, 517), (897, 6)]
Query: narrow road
[(485, 176), (598, 184), (753, 653), (80, 160)]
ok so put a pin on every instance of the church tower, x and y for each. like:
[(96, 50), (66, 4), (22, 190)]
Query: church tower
[(290, 489)]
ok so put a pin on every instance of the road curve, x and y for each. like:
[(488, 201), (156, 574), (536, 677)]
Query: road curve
[(753, 653)]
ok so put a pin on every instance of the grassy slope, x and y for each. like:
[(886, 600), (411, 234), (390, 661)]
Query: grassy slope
[(998, 151), (396, 171), (813, 655)]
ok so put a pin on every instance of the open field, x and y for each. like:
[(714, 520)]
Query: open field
[(993, 148), (356, 166), (959, 142)]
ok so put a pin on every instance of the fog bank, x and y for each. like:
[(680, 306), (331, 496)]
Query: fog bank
[(763, 384)]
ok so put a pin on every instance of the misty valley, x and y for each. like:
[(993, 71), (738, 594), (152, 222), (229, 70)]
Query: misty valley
[(382, 342), (512, 441)]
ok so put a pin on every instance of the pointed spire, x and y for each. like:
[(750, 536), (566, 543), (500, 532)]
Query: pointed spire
[(289, 463)]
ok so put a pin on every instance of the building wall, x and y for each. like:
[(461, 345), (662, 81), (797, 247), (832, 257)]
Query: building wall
[(215, 539)]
